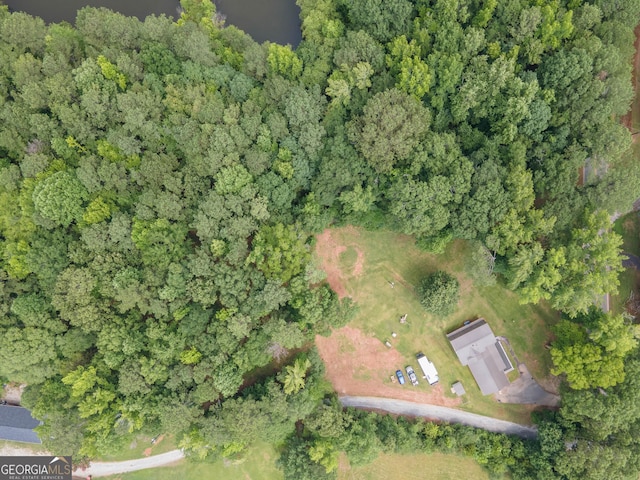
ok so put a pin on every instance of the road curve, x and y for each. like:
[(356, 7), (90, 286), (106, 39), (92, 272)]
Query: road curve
[(632, 261), (399, 407), (104, 469), (436, 412)]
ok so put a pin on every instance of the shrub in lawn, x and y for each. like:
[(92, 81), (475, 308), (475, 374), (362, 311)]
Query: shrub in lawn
[(439, 293)]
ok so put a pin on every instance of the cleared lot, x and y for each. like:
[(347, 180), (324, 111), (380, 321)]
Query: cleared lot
[(378, 270)]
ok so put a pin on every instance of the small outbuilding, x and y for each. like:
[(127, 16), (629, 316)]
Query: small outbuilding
[(458, 389), (477, 347), (17, 424)]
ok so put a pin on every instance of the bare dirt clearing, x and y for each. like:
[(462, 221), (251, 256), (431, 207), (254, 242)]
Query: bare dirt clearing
[(361, 365), (330, 251), (12, 393)]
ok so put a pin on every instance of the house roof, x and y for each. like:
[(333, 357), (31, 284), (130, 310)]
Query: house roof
[(17, 424), (477, 346)]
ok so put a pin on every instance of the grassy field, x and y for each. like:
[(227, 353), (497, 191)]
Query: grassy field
[(436, 466), (389, 257), (138, 446), (28, 448), (259, 464)]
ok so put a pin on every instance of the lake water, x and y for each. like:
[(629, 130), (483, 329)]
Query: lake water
[(273, 20), (59, 10)]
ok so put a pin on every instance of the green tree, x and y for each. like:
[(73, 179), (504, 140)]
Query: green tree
[(324, 453), (60, 198), (382, 19), (573, 277), (439, 293), (197, 10), (411, 72), (296, 463), (282, 60), (591, 353), (294, 378), (392, 125), (592, 267), (279, 251), (602, 414)]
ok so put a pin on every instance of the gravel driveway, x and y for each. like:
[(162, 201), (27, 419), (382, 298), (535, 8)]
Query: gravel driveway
[(103, 469), (402, 407)]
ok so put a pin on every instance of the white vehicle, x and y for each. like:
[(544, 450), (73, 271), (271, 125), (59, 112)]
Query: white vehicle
[(412, 375), (428, 368)]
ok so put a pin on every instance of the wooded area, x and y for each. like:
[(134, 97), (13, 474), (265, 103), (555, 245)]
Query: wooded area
[(161, 181)]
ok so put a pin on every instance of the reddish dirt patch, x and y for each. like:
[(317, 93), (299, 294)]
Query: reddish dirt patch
[(148, 451), (360, 365), (329, 250)]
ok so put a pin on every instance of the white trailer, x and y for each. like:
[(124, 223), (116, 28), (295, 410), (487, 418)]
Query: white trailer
[(428, 368)]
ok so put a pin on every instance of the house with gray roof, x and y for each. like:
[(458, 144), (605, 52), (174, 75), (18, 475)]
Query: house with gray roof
[(17, 424), (478, 348)]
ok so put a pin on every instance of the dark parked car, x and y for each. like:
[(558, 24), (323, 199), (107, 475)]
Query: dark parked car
[(400, 376)]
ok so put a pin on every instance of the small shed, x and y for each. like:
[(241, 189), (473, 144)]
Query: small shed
[(458, 389), (17, 424)]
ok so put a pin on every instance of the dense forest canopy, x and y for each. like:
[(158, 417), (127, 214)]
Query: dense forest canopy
[(161, 181)]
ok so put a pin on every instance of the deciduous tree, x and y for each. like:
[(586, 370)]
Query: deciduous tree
[(439, 293)]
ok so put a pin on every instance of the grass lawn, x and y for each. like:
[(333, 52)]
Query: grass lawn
[(28, 448), (389, 257), (436, 466), (259, 464), (138, 446)]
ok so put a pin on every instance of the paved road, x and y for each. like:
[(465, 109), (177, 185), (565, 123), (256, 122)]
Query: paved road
[(631, 260), (103, 469), (526, 390), (402, 407)]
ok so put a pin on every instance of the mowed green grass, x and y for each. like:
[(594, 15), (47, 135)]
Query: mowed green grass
[(27, 447), (137, 445), (389, 257), (435, 466), (258, 464)]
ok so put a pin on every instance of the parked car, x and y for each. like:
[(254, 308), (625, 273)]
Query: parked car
[(412, 375), (400, 377)]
